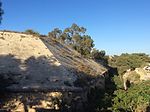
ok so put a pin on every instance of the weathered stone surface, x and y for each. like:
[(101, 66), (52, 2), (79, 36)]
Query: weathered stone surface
[(41, 73), (31, 102), (30, 62), (135, 76), (27, 60)]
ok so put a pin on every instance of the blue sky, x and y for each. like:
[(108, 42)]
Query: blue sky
[(116, 26)]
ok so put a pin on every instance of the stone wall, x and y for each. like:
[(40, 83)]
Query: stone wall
[(42, 102)]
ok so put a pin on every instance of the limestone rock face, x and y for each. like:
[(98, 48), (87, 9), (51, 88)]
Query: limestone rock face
[(40, 69), (136, 76), (144, 74), (34, 62), (29, 62)]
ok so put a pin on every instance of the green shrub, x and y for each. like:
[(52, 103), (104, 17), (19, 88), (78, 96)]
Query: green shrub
[(133, 99), (129, 61), (32, 32)]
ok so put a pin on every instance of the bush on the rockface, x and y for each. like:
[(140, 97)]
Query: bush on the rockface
[(137, 98)]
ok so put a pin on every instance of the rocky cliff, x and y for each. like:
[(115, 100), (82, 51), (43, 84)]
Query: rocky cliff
[(31, 64), (135, 76)]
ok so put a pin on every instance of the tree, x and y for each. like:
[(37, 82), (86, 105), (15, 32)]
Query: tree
[(96, 54), (74, 32), (55, 33), (78, 40), (75, 37), (75, 29), (86, 45), (63, 37), (1, 11), (32, 32)]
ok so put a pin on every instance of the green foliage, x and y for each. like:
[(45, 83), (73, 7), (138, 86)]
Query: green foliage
[(55, 33), (80, 42), (136, 96), (32, 32), (83, 44), (118, 81), (129, 61), (96, 54), (75, 37), (100, 57)]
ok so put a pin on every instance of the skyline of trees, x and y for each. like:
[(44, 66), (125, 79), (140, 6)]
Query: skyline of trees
[(76, 37)]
